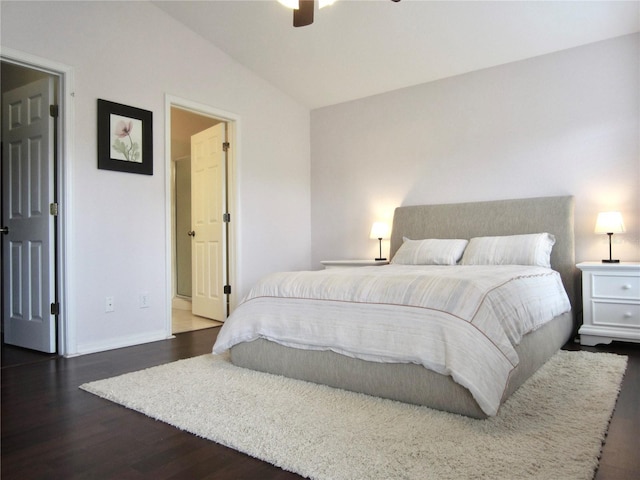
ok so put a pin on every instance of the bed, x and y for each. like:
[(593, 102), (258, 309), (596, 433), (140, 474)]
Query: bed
[(438, 376)]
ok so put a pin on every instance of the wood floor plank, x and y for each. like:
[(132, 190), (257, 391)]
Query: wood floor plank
[(52, 429)]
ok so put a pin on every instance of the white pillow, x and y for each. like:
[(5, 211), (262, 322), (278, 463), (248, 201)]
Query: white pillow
[(433, 251), (530, 249)]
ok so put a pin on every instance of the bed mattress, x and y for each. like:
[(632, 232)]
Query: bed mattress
[(404, 382), (457, 321)]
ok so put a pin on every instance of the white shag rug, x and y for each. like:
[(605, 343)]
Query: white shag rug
[(551, 428)]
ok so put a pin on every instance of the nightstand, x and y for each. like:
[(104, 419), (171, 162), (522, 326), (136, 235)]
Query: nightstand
[(352, 263), (611, 302)]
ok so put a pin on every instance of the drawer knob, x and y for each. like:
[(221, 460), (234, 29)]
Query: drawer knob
[(628, 315), (626, 287)]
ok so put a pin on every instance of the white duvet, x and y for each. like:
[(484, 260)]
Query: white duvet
[(462, 321)]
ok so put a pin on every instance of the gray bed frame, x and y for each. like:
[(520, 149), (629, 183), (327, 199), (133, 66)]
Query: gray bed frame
[(413, 383)]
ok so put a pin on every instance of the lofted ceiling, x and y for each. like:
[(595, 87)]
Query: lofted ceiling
[(358, 48)]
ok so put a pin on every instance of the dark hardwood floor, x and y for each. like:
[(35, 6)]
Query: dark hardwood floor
[(53, 430)]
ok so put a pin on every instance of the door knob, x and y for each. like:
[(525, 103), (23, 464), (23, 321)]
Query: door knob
[(191, 233), (4, 230)]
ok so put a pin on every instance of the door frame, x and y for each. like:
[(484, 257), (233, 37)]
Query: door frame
[(66, 327), (233, 135)]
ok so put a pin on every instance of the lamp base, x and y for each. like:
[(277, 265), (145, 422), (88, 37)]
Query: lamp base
[(610, 261), (379, 259)]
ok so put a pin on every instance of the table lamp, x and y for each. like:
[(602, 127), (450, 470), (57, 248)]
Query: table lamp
[(379, 230), (609, 223)]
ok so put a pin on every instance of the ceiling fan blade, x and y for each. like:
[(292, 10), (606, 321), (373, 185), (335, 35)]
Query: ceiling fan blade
[(304, 14)]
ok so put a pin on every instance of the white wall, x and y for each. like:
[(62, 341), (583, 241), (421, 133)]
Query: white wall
[(565, 123), (135, 54)]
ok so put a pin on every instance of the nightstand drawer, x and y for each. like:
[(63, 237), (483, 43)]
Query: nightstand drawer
[(616, 286), (616, 314)]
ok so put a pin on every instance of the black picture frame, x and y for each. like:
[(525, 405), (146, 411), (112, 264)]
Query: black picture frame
[(125, 138)]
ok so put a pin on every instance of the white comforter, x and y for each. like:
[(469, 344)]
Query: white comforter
[(461, 321)]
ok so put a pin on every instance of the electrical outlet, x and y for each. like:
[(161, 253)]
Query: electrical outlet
[(109, 304), (144, 300)]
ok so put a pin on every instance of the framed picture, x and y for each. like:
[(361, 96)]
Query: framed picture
[(125, 139)]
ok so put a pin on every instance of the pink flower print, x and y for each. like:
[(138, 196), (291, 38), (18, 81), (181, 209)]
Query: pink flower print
[(123, 129)]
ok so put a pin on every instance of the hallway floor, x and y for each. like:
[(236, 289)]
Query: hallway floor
[(185, 321)]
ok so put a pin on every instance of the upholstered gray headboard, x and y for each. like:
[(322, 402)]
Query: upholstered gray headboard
[(501, 217)]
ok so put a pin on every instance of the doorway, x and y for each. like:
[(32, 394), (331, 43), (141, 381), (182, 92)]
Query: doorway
[(30, 280), (186, 126)]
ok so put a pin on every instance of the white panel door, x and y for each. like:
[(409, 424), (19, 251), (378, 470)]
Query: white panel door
[(28, 248), (208, 229)]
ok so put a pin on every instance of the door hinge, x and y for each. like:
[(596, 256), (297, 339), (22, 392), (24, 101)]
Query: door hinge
[(55, 308), (227, 289), (54, 111), (53, 208), (225, 146), (226, 217)]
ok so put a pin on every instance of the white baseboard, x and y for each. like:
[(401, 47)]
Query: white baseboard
[(130, 341)]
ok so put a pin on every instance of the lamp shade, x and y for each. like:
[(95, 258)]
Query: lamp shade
[(292, 4), (295, 4), (379, 230), (609, 222)]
